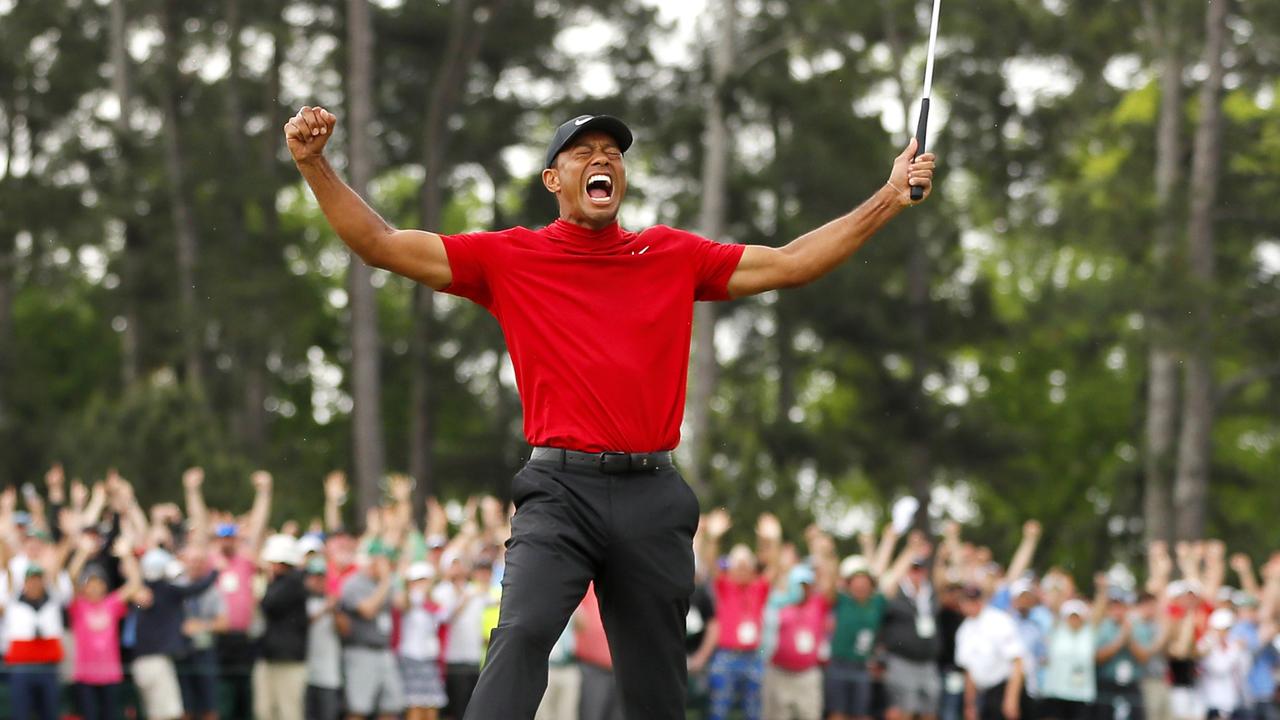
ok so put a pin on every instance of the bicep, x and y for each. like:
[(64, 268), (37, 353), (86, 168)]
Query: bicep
[(415, 254), (761, 269)]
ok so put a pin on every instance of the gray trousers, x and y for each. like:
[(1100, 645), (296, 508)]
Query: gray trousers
[(599, 699)]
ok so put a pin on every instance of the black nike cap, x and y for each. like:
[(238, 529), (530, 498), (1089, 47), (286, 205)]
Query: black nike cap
[(575, 127)]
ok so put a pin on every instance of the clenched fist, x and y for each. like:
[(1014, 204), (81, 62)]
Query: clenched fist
[(307, 132)]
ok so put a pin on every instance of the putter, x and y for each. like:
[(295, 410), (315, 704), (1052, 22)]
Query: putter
[(917, 192)]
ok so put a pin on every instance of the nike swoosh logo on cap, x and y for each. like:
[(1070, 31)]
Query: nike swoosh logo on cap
[(582, 121)]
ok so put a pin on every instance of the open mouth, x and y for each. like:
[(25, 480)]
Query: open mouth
[(600, 189)]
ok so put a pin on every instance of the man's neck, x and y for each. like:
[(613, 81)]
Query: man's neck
[(589, 225)]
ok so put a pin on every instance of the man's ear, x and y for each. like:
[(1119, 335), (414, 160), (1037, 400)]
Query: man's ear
[(551, 180)]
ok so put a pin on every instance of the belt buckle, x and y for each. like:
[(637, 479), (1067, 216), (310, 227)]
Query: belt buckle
[(612, 463)]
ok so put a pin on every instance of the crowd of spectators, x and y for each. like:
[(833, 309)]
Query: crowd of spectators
[(111, 610)]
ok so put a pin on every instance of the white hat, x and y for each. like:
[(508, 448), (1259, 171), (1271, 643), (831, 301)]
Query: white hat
[(1074, 607), (281, 549), (154, 564), (1021, 586), (310, 543), (1176, 588), (1222, 619), (853, 565), (420, 571)]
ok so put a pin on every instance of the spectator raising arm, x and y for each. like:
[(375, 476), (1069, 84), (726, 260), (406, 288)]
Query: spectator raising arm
[(1159, 567), (1215, 567), (769, 547), (1243, 568), (884, 551), (260, 513), (714, 526), (92, 512), (197, 511), (335, 494), (917, 549), (1026, 551)]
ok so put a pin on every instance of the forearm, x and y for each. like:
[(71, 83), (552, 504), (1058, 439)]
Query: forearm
[(884, 552), (819, 251), (258, 516), (1022, 558), (198, 514), (710, 639), (359, 226), (370, 606)]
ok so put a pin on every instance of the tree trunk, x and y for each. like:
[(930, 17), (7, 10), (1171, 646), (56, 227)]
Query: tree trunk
[(6, 310), (185, 235), (130, 339), (1162, 381), (366, 383), (704, 370), (1191, 485), (251, 338), (466, 36)]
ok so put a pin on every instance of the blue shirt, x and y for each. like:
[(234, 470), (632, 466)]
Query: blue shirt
[(1261, 683)]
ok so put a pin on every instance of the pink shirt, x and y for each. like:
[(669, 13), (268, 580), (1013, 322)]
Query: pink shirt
[(740, 611), (236, 585), (590, 643), (800, 633), (96, 628)]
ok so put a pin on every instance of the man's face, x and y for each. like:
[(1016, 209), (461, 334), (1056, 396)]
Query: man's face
[(1117, 611), (589, 180), (971, 607), (1026, 602), (33, 586), (315, 583), (860, 586)]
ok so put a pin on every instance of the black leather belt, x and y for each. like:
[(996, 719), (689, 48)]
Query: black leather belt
[(610, 463)]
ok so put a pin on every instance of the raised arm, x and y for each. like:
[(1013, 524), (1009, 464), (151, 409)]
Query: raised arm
[(884, 551), (819, 251), (1215, 567), (1026, 551), (1242, 566), (769, 547), (261, 510), (335, 493), (917, 548), (414, 254), (716, 524), (197, 511), (1159, 567)]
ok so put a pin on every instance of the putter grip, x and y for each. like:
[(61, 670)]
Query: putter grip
[(917, 192)]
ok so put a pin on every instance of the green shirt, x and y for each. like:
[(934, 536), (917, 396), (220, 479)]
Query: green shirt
[(857, 625), (1123, 668)]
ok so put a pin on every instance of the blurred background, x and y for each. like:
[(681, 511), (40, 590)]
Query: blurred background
[(1081, 326)]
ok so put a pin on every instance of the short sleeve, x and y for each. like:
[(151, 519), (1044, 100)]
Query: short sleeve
[(471, 255), (117, 606), (1011, 646), (714, 263)]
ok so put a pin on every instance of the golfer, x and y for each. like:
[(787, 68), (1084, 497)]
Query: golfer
[(597, 320)]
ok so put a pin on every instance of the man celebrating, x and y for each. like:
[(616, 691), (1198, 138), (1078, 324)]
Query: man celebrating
[(598, 322)]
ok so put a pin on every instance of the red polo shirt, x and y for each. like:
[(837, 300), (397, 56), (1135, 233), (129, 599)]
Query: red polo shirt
[(598, 325)]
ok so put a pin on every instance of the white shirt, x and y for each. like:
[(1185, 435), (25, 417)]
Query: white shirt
[(1222, 674), (466, 641), (23, 622), (986, 647), (420, 631)]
